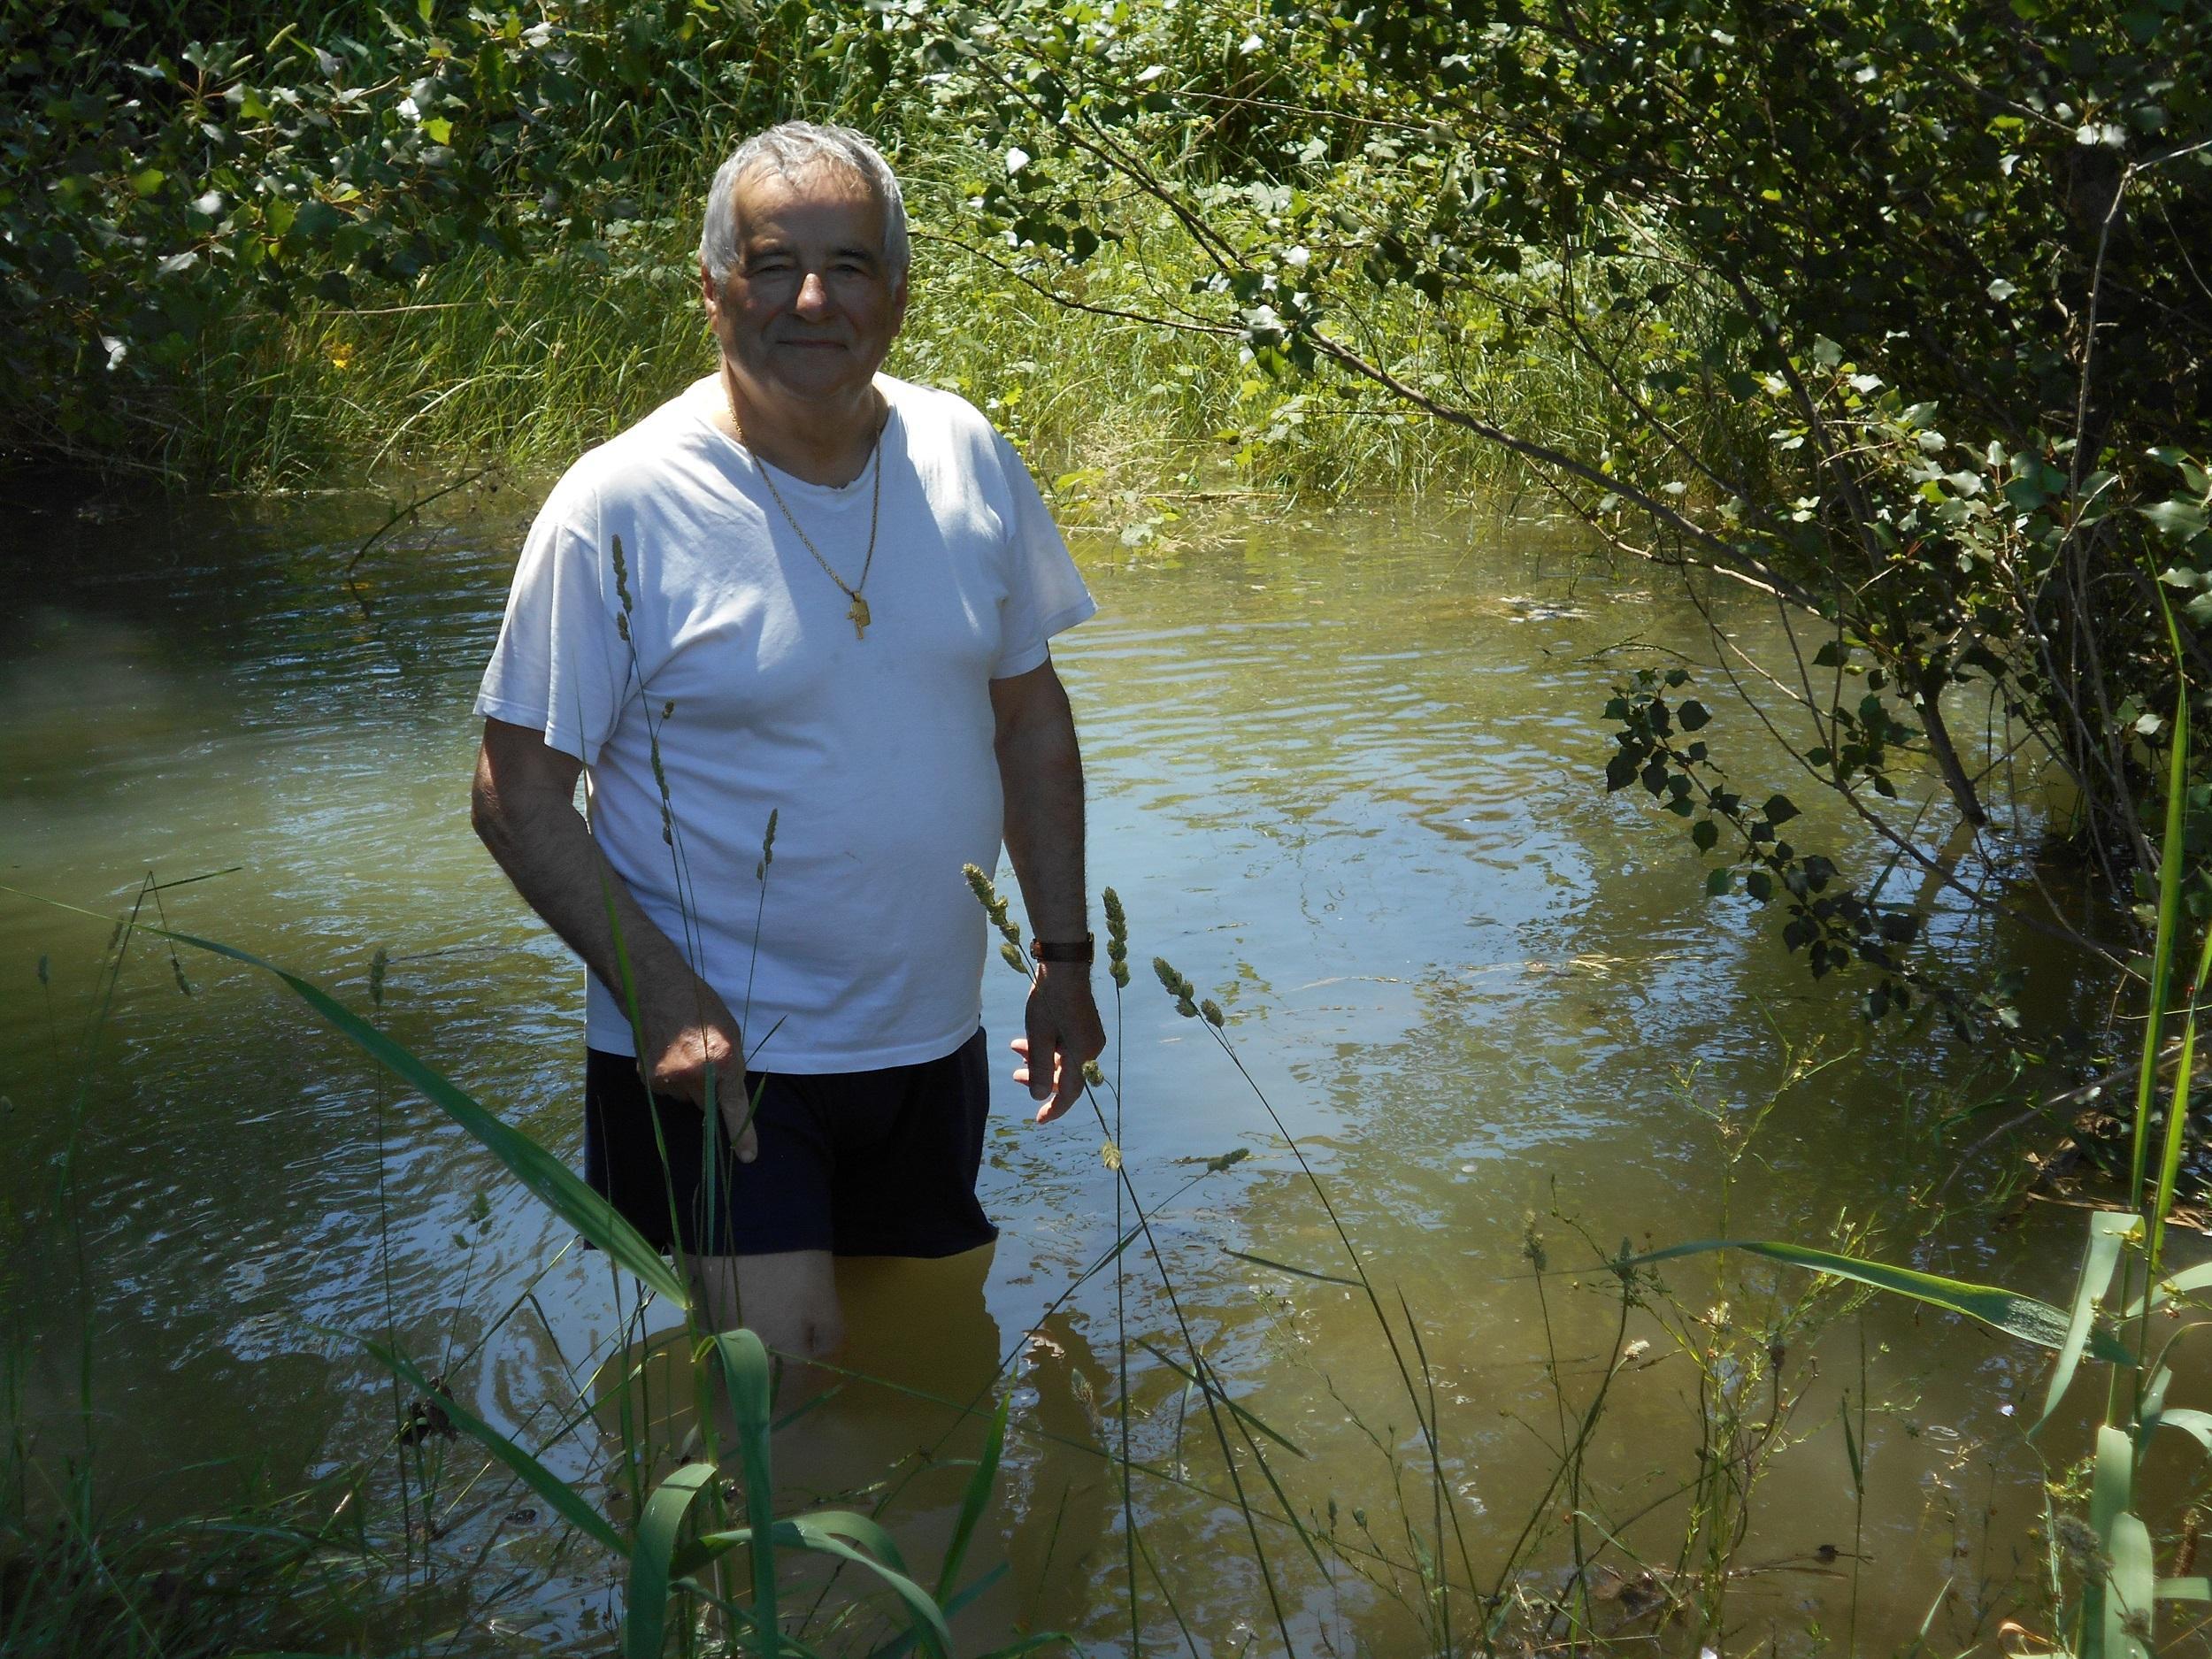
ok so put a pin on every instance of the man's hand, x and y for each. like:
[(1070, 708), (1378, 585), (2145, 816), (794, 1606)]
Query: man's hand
[(1065, 1035), (687, 1033), (523, 804)]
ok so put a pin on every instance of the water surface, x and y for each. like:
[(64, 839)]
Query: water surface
[(1345, 773)]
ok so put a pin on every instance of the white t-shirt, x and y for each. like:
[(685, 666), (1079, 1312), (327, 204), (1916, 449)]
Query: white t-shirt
[(863, 947)]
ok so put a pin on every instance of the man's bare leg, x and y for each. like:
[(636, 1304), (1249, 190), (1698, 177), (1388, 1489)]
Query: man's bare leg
[(788, 1300)]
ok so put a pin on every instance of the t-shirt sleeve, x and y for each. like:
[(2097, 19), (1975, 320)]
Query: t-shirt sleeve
[(560, 667), (1044, 591)]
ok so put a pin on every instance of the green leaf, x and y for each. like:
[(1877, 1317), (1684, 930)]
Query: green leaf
[(1705, 832), (315, 221), (644, 1626), (148, 181), (2176, 1112), (824, 1533), (745, 1374), (2169, 921), (566, 1501), (2196, 1425), (2016, 1314), (974, 1499), (2180, 520), (1719, 881), (2172, 1286), (1780, 810), (2131, 1586), (2108, 1230), (1692, 716)]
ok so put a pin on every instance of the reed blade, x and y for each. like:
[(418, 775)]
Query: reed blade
[(645, 1622), (974, 1499), (2108, 1230), (2170, 857), (745, 1373), (2023, 1316)]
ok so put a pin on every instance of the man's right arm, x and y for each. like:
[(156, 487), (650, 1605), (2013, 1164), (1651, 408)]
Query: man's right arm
[(524, 806)]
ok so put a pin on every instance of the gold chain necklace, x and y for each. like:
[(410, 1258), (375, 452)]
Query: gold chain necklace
[(857, 614)]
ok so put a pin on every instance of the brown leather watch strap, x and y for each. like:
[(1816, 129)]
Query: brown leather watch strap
[(1083, 950)]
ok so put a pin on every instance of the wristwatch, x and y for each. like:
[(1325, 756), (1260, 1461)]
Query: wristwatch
[(1082, 950)]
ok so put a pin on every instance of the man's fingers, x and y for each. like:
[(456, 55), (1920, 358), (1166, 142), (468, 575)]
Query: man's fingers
[(737, 1123), (1071, 1085), (1041, 1049), (1057, 1083)]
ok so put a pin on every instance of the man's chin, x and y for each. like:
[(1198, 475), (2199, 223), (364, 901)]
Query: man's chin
[(815, 374)]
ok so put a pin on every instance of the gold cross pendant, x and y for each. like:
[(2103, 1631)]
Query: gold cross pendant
[(860, 617)]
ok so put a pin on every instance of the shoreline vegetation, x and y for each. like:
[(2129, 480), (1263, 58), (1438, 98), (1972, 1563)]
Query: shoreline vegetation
[(491, 361), (1894, 315)]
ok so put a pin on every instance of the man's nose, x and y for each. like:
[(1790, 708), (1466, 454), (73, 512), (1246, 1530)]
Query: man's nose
[(813, 293)]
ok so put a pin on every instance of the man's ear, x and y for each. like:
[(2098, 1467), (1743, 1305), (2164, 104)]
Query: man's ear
[(709, 295)]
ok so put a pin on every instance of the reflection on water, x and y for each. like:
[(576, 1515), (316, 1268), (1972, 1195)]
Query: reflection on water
[(1344, 776)]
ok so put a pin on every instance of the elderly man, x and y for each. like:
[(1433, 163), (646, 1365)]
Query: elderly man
[(803, 593)]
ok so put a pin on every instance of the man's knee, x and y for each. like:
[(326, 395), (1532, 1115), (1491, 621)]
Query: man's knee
[(822, 1334), (788, 1300)]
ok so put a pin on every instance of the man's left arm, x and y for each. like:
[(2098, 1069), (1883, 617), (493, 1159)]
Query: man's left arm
[(1040, 770)]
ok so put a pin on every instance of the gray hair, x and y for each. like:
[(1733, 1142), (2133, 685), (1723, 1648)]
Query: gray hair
[(793, 150)]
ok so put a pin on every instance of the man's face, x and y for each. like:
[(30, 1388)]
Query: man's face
[(811, 306)]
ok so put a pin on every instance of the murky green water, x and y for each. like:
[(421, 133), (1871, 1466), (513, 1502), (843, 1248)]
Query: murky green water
[(1344, 775)]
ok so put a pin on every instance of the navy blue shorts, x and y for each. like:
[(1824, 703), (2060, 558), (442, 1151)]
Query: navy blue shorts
[(857, 1163)]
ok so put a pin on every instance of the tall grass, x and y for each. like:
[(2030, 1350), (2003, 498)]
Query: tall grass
[(527, 362)]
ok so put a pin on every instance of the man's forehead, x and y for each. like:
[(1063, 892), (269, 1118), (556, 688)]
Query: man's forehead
[(820, 190)]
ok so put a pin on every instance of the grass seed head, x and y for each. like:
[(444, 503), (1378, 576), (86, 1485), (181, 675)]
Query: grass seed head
[(1182, 990), (994, 907), (1117, 940), (622, 586)]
